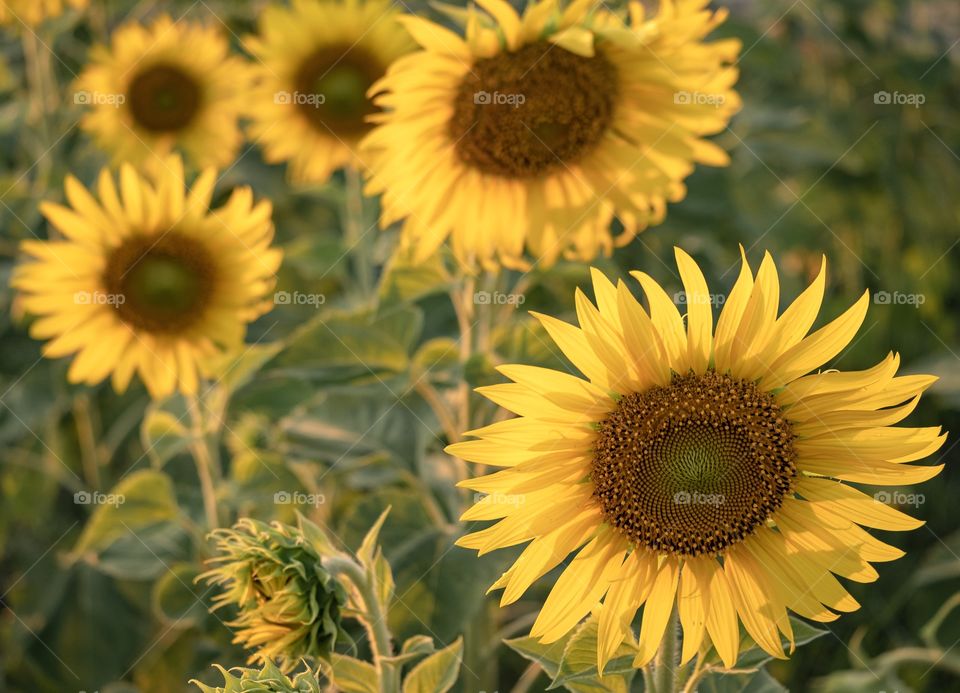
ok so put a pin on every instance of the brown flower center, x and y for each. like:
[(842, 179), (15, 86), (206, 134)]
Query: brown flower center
[(161, 283), (164, 98), (526, 113), (694, 467), (331, 89)]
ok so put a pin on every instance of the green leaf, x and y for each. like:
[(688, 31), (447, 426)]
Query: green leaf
[(759, 681), (175, 600), (559, 660), (352, 675), (317, 536), (143, 499), (547, 656), (383, 580), (413, 648), (438, 672), (437, 354), (236, 369), (369, 545), (347, 346), (579, 660), (753, 656), (405, 281), (163, 436)]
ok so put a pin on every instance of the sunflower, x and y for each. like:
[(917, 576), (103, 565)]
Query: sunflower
[(561, 118), (148, 279), (705, 468), (169, 85), (33, 12), (317, 62)]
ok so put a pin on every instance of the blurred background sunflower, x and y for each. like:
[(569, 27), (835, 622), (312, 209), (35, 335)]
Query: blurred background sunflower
[(531, 132), (149, 279), (28, 13), (316, 63), (164, 86)]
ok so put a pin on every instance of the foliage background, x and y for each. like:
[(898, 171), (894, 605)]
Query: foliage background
[(332, 401)]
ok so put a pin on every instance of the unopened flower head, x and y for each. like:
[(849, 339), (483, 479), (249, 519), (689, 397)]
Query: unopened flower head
[(288, 606), (269, 679)]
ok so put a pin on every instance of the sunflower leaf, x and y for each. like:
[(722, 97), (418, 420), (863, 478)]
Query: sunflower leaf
[(759, 681), (752, 656), (353, 675), (578, 662), (143, 499), (438, 672)]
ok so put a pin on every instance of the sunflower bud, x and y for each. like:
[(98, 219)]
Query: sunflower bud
[(288, 606), (269, 679)]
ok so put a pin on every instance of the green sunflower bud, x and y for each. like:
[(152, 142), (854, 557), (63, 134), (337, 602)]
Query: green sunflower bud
[(288, 605), (269, 679)]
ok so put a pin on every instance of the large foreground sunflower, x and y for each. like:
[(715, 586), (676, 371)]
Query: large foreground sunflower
[(33, 12), (707, 469), (168, 85), (148, 279), (317, 60), (552, 122)]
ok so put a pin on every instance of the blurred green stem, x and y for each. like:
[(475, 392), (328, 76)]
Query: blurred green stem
[(359, 243), (667, 662), (207, 469), (375, 620), (87, 438)]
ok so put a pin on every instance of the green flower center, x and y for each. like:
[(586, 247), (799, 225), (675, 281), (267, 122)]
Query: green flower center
[(694, 467), (527, 113), (164, 98), (161, 284), (331, 89)]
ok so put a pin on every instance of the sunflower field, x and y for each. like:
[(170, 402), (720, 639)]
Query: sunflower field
[(488, 347)]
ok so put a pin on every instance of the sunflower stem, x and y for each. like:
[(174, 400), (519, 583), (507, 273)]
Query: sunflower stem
[(375, 620), (200, 449), (667, 664), (359, 246)]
